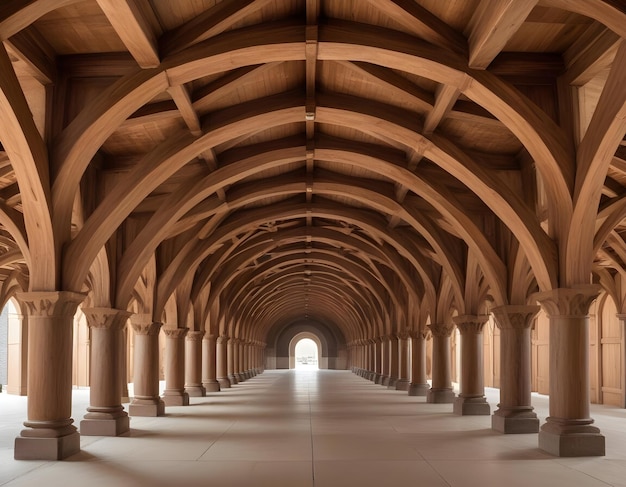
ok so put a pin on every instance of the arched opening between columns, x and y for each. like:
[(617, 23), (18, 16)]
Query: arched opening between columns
[(311, 358)]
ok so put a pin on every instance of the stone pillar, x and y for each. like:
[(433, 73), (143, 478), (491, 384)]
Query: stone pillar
[(221, 362), (239, 365), (568, 431), (378, 376), (123, 367), (419, 385), (105, 414), (515, 413), (622, 319), (193, 364), (394, 364), (384, 356), (232, 360), (209, 378), (49, 433), (146, 401), (441, 391), (403, 367), (17, 366), (471, 399), (175, 394)]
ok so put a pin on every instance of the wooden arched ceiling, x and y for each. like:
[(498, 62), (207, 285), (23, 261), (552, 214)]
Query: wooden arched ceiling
[(365, 163)]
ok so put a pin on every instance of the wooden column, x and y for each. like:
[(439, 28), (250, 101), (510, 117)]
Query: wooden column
[(146, 400), (515, 412), (419, 385), (568, 430), (193, 364), (221, 362), (441, 390), (105, 414), (123, 366), (471, 399), (49, 433), (175, 394), (403, 366), (209, 370)]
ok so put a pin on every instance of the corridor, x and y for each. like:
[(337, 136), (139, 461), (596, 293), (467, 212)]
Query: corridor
[(312, 428)]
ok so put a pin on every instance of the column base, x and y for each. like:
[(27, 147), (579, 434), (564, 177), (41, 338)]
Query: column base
[(418, 389), (176, 398), (471, 406), (195, 391), (375, 378), (148, 408), (379, 379), (32, 448), (213, 386), (402, 385), (119, 426), (224, 383), (571, 441), (384, 381), (233, 379), (515, 422), (440, 396)]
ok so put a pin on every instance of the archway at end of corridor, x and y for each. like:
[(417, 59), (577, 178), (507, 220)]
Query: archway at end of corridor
[(304, 351)]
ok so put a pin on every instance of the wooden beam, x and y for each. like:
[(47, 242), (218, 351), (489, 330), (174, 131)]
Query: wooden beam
[(16, 15), (209, 24), (393, 81), (205, 97), (423, 23), (31, 48), (181, 97), (491, 27), (590, 54), (446, 96), (133, 29)]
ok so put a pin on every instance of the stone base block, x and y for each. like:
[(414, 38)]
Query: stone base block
[(402, 385), (147, 409), (240, 377), (579, 444), (105, 427), (515, 424), (471, 406), (380, 379), (224, 383), (195, 391), (28, 448), (176, 399), (233, 379), (418, 389), (385, 380), (391, 383), (375, 378), (440, 396), (211, 386)]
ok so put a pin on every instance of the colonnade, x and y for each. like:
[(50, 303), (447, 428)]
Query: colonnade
[(195, 363), (568, 431)]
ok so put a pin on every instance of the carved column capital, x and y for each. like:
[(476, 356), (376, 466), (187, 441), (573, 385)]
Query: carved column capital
[(195, 335), (175, 333), (222, 339), (209, 336), (106, 318), (441, 329), (515, 317), (470, 323), (574, 301), (48, 304), (147, 328), (420, 334)]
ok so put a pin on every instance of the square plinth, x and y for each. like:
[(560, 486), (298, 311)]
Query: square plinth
[(105, 427), (572, 445), (46, 448)]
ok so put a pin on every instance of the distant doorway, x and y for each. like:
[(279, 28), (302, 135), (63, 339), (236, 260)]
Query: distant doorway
[(306, 355)]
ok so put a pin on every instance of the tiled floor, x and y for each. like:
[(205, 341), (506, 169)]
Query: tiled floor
[(322, 429)]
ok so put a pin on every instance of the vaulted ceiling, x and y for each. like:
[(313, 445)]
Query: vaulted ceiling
[(370, 164)]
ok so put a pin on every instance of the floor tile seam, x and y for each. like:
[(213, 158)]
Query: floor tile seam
[(216, 440), (24, 474)]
